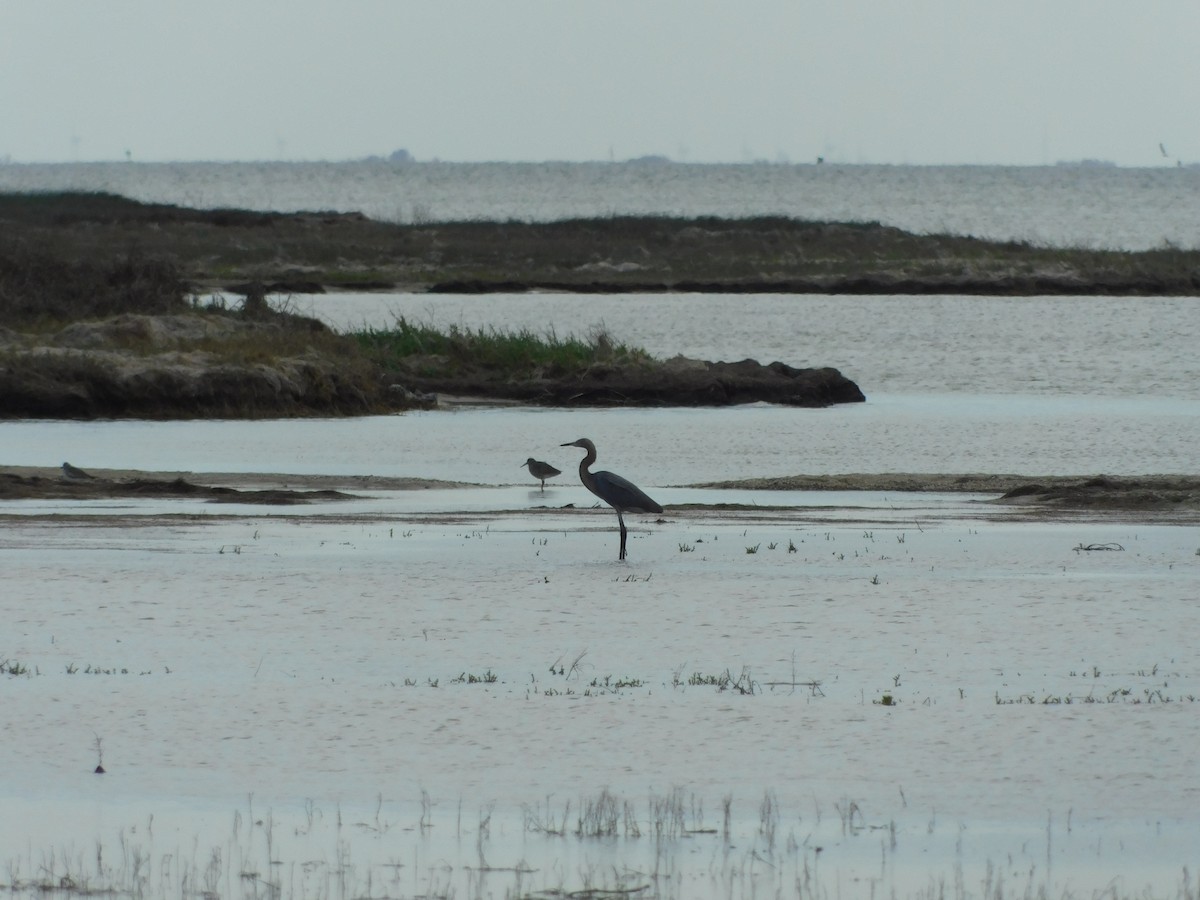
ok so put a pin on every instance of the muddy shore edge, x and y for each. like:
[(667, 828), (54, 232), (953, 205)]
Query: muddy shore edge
[(1094, 492)]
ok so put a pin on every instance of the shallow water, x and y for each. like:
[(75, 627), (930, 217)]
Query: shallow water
[(653, 447), (402, 695), (1036, 386), (1138, 347), (412, 693)]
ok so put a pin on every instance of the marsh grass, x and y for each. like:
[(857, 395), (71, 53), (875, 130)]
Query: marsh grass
[(742, 683), (599, 816), (1146, 685), (543, 820), (625, 253), (768, 814), (196, 364), (488, 677), (434, 352), (658, 846), (611, 683), (86, 336), (1128, 695), (13, 668), (39, 290)]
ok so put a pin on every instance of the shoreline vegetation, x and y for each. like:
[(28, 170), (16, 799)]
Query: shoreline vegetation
[(113, 308), (100, 297), (239, 251)]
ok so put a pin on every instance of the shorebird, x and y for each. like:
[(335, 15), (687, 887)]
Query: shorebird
[(73, 474), (614, 490), (541, 470)]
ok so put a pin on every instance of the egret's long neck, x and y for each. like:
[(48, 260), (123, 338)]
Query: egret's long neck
[(584, 475)]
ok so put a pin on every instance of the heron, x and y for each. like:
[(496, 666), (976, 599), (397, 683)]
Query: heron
[(541, 470), (614, 490)]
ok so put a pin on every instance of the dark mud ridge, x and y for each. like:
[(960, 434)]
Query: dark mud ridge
[(993, 285), (676, 382), (1105, 492), (1149, 493), (88, 487), (1137, 497)]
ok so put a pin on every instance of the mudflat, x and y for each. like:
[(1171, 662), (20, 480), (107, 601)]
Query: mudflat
[(1159, 493), (1099, 492)]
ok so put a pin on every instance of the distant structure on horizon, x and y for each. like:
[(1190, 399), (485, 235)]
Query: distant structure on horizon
[(396, 156)]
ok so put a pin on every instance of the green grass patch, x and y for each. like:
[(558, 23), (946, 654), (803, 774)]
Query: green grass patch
[(520, 353)]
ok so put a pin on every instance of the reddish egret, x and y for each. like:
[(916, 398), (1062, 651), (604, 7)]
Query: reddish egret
[(612, 489), (541, 470)]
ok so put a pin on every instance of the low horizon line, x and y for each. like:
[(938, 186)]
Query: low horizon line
[(644, 160)]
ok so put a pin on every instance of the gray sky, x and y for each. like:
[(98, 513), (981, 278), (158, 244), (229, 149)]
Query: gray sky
[(885, 81)]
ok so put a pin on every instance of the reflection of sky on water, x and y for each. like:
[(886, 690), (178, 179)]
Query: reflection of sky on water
[(656, 447), (1038, 386), (276, 689), (1139, 347)]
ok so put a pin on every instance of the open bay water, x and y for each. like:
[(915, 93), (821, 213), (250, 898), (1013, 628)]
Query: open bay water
[(1085, 206)]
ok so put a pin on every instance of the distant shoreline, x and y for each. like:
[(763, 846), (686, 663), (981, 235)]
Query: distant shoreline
[(241, 251)]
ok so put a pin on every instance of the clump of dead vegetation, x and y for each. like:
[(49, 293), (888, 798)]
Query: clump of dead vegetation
[(38, 289), (124, 337)]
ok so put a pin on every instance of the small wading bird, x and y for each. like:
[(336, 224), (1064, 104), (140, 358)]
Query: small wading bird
[(73, 474), (612, 489), (541, 470)]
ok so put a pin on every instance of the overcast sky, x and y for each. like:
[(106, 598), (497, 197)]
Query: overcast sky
[(885, 81)]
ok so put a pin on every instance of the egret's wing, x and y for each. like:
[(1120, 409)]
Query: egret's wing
[(621, 493)]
